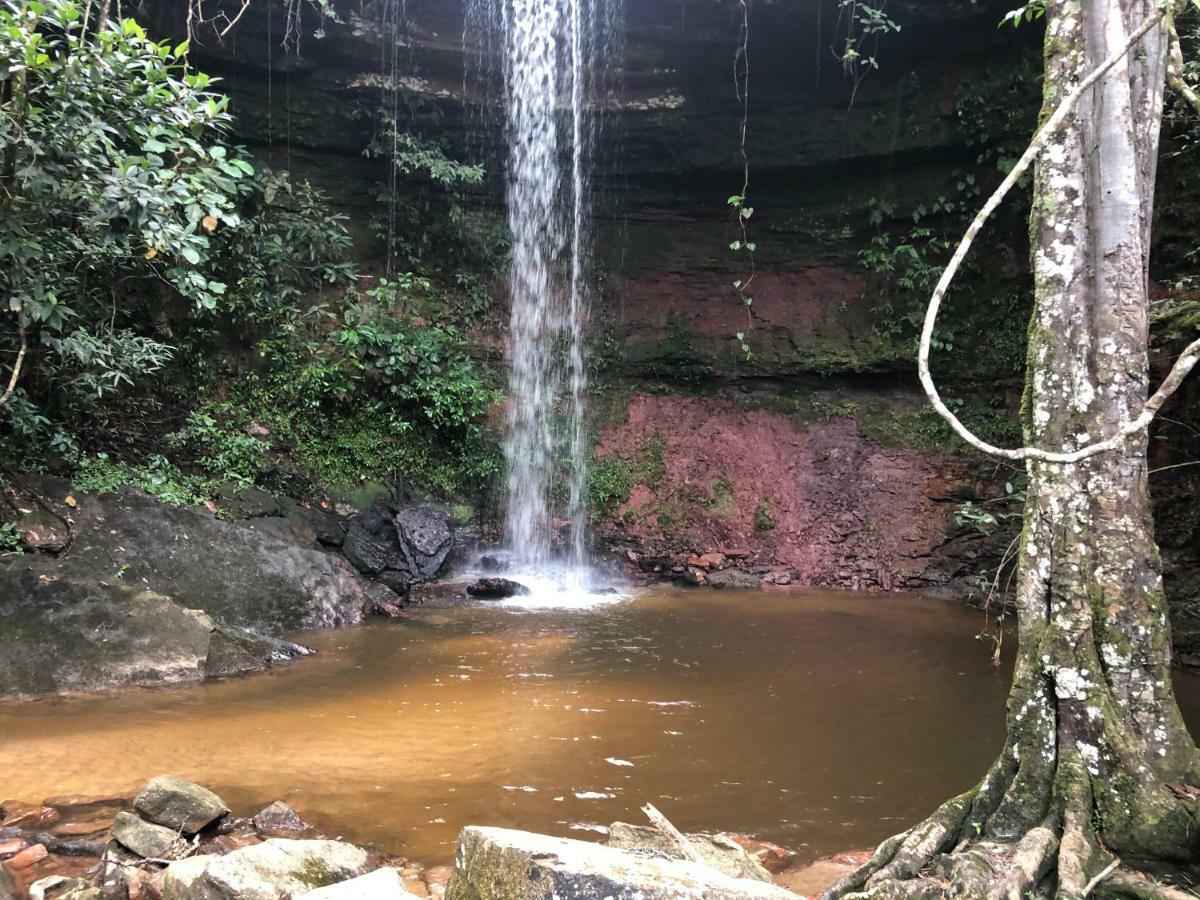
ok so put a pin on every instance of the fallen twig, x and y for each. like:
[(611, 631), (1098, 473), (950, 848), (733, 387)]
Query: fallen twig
[(673, 834)]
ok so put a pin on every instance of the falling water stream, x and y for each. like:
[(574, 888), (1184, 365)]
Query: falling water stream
[(554, 56)]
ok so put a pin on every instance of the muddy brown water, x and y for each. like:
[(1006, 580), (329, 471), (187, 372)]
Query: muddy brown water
[(821, 721)]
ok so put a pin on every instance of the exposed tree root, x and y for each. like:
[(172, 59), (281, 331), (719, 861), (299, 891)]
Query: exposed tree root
[(1132, 886), (951, 855)]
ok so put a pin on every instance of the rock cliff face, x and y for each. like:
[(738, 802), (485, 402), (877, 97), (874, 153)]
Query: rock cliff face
[(821, 145), (845, 167)]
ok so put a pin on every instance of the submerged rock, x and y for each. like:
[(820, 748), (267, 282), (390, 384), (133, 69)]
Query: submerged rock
[(382, 884), (497, 589), (146, 839), (271, 870), (500, 864), (178, 804), (720, 851), (279, 820)]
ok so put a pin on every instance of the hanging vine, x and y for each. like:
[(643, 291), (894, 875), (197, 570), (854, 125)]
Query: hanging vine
[(860, 26), (739, 202), (223, 22)]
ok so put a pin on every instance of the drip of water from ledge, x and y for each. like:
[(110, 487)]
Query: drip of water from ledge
[(553, 56)]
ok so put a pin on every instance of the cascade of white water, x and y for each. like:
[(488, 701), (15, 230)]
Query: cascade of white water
[(554, 57)]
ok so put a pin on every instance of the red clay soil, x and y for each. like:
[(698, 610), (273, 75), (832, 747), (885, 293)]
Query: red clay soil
[(820, 505)]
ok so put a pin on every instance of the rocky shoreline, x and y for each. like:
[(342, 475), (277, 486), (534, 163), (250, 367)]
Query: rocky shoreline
[(121, 589), (176, 840)]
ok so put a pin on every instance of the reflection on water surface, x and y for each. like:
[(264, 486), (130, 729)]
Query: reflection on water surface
[(821, 721)]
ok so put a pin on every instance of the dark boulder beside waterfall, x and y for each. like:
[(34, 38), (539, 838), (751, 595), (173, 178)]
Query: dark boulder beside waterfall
[(398, 542), (425, 538), (373, 548)]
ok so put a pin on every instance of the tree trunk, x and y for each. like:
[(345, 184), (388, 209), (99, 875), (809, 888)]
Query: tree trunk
[(1097, 756)]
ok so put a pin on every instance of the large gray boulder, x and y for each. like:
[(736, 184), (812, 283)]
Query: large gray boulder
[(719, 851), (500, 864), (382, 884), (272, 870), (242, 576), (178, 804), (68, 627)]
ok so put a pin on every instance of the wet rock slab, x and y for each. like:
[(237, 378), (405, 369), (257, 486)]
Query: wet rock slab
[(67, 630), (500, 864)]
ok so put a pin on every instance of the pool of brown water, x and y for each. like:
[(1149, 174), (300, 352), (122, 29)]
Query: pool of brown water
[(820, 721)]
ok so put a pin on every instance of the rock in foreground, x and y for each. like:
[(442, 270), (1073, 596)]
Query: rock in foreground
[(501, 864), (146, 839), (178, 804), (719, 851), (382, 884), (271, 870)]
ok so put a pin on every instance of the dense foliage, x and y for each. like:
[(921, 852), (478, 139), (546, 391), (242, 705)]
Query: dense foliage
[(114, 180), (191, 317)]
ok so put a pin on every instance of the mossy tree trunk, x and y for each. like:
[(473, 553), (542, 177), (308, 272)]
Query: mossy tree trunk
[(1097, 760)]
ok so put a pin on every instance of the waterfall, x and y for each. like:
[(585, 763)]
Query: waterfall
[(554, 56)]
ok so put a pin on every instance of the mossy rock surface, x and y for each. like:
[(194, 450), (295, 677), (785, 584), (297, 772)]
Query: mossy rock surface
[(275, 869), (502, 864)]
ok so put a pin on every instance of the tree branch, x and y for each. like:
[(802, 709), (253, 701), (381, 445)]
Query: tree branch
[(16, 370), (673, 834), (1175, 64), (1183, 366)]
